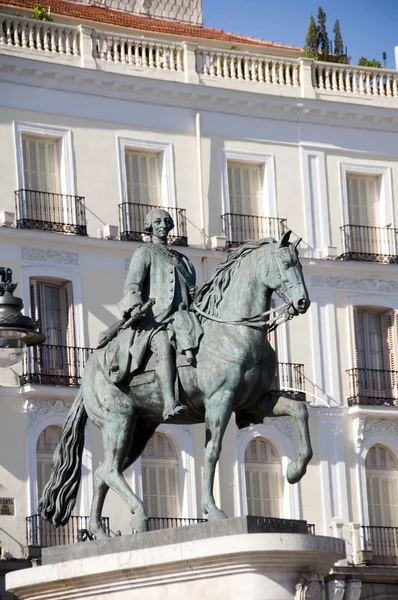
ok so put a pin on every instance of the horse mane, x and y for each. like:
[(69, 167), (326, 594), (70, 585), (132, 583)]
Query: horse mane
[(210, 294)]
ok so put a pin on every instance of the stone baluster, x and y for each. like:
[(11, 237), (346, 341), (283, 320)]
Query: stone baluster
[(179, 58), (218, 65), (361, 76), (288, 74), (267, 72), (23, 35), (335, 86), (158, 62), (327, 79), (355, 81), (136, 53), (203, 61), (212, 70), (46, 40), (233, 66), (151, 53), (129, 56), (31, 42), (14, 34), (382, 86), (254, 69), (122, 52), (281, 80), (347, 80), (116, 53), (8, 33), (295, 74), (68, 47), (261, 63), (75, 45), (375, 91), (246, 72), (61, 41), (225, 71), (368, 89), (341, 86), (273, 73), (394, 86), (54, 36), (145, 53), (239, 60), (108, 49), (388, 85)]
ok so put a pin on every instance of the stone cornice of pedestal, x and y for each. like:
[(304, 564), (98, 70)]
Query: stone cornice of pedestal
[(290, 555)]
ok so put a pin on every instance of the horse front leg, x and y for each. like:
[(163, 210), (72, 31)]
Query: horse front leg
[(218, 412), (298, 410)]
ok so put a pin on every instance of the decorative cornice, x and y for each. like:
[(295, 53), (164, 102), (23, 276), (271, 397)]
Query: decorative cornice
[(352, 283), (37, 410), (283, 424), (50, 256), (363, 428), (158, 92)]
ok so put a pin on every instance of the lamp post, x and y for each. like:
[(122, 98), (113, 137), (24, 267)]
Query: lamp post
[(16, 329)]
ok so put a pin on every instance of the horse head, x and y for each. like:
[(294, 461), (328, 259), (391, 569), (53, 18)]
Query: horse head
[(285, 276)]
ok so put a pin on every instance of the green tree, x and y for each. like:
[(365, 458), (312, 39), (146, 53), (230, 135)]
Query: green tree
[(364, 62), (40, 13), (338, 40), (311, 41), (323, 39)]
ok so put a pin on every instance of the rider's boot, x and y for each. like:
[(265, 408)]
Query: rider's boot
[(165, 371)]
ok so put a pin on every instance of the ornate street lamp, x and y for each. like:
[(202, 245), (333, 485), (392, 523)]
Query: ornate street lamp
[(16, 330)]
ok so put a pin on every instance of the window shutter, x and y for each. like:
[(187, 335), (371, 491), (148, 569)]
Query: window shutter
[(160, 477), (41, 168)]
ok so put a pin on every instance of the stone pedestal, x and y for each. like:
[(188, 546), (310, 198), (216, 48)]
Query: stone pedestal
[(229, 560)]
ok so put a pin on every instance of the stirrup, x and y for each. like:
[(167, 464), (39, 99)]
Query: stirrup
[(176, 410)]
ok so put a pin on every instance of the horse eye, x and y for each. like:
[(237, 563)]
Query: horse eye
[(286, 265)]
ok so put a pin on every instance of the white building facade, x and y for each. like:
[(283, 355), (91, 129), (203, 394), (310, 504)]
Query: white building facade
[(106, 113)]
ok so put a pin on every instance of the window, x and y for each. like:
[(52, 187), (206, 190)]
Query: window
[(159, 468), (40, 164), (263, 479), (375, 376), (46, 444), (363, 194), (142, 177), (244, 186), (52, 305), (382, 486)]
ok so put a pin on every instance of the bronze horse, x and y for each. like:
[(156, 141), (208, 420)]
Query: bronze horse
[(234, 371)]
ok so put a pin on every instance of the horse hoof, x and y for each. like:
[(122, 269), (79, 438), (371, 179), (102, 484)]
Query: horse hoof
[(139, 523), (294, 473), (216, 514), (98, 533)]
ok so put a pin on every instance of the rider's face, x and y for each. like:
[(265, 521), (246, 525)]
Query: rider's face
[(161, 225)]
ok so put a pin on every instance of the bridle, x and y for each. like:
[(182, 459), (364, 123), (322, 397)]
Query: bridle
[(258, 320)]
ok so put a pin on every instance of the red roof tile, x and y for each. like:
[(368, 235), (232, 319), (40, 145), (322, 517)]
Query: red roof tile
[(112, 17)]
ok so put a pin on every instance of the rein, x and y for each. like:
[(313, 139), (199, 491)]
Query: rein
[(256, 320)]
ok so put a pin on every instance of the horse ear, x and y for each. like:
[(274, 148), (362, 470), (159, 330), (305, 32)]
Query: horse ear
[(296, 244), (285, 239)]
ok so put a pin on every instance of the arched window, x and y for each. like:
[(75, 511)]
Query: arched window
[(263, 474), (159, 467), (382, 485), (46, 444)]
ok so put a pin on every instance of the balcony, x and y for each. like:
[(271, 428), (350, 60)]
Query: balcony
[(371, 387), (270, 524), (238, 229), (42, 534), (132, 218), (291, 376), (45, 211), (54, 365), (372, 244), (380, 545)]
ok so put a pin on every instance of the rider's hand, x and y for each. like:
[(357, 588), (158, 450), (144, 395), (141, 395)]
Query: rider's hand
[(192, 291)]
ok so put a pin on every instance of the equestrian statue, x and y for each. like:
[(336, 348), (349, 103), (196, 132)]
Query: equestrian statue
[(181, 355)]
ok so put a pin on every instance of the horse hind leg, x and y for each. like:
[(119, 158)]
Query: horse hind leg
[(117, 436)]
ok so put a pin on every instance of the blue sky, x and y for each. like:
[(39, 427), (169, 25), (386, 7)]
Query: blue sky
[(368, 27)]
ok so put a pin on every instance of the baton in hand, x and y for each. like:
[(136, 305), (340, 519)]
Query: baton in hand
[(137, 313)]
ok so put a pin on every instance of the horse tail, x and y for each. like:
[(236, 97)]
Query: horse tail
[(60, 493)]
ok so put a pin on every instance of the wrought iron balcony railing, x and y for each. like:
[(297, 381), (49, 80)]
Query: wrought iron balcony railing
[(291, 376), (238, 229), (373, 244), (270, 523), (382, 543), (59, 213), (132, 218), (311, 528), (54, 365), (43, 534), (372, 387), (171, 522)]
